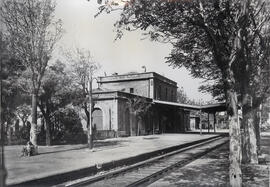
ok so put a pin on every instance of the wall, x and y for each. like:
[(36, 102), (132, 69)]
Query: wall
[(123, 118), (150, 84), (164, 91), (140, 87), (168, 119), (118, 118), (128, 122), (110, 113)]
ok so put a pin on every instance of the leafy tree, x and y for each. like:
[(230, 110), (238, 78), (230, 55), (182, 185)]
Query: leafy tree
[(138, 106), (67, 127), (251, 73), (23, 112), (3, 58), (24, 131), (33, 34), (10, 95), (56, 92), (209, 39), (182, 96), (82, 70)]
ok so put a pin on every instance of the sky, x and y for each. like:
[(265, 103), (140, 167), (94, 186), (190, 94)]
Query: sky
[(128, 54)]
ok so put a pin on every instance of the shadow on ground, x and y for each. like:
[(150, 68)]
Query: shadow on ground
[(213, 170), (209, 170), (257, 175), (97, 144)]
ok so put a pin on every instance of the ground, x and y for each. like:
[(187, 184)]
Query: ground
[(209, 170), (212, 170), (64, 158)]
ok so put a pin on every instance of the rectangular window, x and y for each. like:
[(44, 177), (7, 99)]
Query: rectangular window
[(131, 90)]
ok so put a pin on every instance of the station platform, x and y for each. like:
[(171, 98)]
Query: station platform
[(56, 164)]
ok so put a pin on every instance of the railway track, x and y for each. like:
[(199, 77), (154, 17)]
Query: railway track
[(146, 172)]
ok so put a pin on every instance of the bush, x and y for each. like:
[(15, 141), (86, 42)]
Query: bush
[(67, 127)]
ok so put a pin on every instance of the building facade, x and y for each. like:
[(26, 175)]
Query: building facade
[(150, 85), (114, 114)]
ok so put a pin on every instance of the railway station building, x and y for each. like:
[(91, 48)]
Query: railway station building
[(113, 115)]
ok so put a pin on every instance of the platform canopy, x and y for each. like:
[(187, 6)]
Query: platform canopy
[(210, 108), (180, 105)]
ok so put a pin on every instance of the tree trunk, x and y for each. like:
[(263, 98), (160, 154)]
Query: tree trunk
[(17, 128), (247, 115), (235, 143), (252, 138), (48, 131), (235, 155), (9, 133), (89, 134), (130, 123), (249, 138), (133, 124), (138, 126), (3, 171), (257, 126), (87, 115), (33, 130)]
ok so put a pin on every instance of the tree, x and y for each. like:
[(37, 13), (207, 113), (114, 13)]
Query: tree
[(23, 112), (3, 58), (10, 94), (56, 93), (182, 96), (138, 107), (67, 127), (207, 39), (252, 76), (82, 71), (33, 35)]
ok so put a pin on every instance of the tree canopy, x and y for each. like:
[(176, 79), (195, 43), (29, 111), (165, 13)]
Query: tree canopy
[(224, 42), (32, 33)]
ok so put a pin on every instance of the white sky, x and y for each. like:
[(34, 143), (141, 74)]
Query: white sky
[(122, 56)]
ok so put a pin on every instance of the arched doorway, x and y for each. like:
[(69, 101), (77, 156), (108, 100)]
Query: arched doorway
[(97, 119)]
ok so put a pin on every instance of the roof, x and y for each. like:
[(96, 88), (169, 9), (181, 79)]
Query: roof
[(217, 107), (135, 76), (184, 106)]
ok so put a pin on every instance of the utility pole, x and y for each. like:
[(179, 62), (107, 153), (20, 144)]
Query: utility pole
[(90, 133)]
